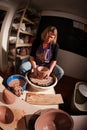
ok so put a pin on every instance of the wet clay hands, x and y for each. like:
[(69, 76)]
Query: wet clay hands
[(41, 72)]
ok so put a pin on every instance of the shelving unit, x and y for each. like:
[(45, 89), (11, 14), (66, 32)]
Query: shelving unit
[(22, 34)]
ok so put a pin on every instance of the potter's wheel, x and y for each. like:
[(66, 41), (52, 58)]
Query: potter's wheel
[(41, 83)]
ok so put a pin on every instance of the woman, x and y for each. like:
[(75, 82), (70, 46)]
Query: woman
[(44, 53)]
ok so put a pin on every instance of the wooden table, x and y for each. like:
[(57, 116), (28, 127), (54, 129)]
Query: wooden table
[(22, 106), (29, 109)]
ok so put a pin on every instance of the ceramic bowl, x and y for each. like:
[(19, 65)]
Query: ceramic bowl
[(54, 120), (6, 115), (8, 96)]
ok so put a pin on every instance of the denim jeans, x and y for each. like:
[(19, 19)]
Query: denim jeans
[(25, 67), (58, 72)]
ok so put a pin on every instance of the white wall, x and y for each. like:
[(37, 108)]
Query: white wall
[(65, 15), (73, 64)]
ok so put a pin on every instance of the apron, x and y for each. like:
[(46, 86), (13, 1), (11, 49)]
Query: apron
[(43, 56)]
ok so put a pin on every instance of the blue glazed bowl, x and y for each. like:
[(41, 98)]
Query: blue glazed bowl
[(20, 77)]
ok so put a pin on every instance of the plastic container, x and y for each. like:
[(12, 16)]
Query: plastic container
[(22, 79)]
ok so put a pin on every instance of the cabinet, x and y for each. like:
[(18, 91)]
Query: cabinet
[(22, 34)]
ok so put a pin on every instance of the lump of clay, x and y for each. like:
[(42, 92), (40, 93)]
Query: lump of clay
[(8, 97)]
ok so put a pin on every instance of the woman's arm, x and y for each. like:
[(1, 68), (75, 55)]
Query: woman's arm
[(33, 62), (52, 65), (49, 71), (34, 66)]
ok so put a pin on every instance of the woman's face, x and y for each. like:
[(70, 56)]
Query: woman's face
[(50, 36)]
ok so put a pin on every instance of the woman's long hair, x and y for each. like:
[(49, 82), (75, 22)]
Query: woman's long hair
[(53, 29)]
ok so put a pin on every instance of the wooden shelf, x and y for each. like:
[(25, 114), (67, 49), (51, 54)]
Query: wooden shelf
[(27, 20), (22, 57), (24, 33), (21, 10), (23, 45)]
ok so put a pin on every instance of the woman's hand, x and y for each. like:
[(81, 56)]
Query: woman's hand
[(44, 75)]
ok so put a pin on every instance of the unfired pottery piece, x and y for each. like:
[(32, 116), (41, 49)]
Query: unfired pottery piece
[(6, 115), (8, 97), (12, 118)]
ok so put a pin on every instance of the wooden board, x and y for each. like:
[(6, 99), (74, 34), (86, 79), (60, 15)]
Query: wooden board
[(44, 99)]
